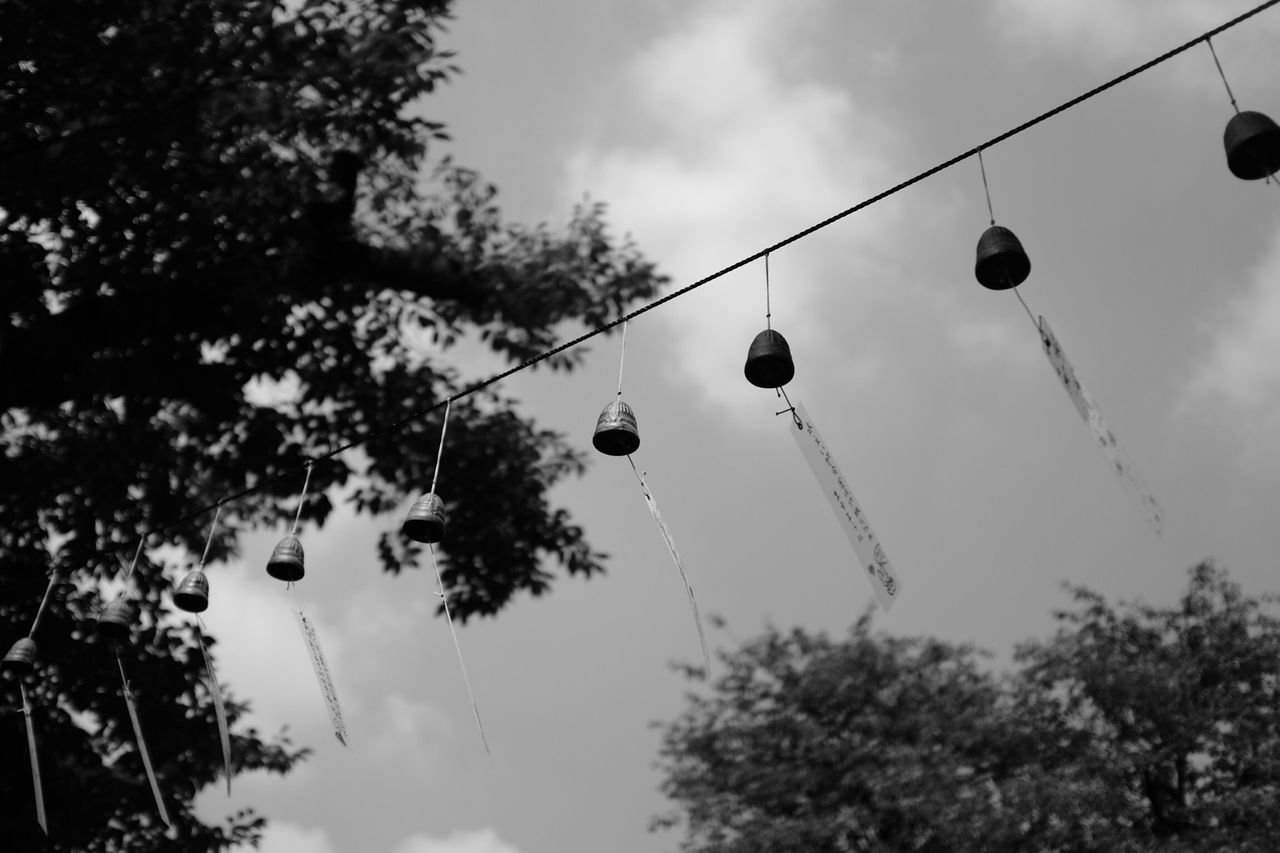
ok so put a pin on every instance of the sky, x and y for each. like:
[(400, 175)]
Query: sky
[(712, 129)]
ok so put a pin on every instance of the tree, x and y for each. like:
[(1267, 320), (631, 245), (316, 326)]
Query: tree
[(229, 246), (1134, 728)]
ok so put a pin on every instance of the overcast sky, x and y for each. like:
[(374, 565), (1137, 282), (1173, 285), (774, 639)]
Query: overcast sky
[(712, 129)]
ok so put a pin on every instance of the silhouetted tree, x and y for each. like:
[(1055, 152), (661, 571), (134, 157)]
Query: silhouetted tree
[(228, 245)]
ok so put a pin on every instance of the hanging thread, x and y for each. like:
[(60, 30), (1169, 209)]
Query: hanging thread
[(768, 308), (448, 615), (301, 500), (983, 167), (44, 604), (142, 540), (209, 542), (444, 425), (622, 357), (1222, 74)]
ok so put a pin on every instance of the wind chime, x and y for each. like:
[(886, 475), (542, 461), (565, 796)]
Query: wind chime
[(1251, 138), (425, 523), (287, 564), (20, 662), (769, 365), (618, 434), (1003, 264), (192, 595)]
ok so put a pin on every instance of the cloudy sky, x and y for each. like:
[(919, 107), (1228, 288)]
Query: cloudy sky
[(712, 129)]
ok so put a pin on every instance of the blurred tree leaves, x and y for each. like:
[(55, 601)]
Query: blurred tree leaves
[(1134, 728)]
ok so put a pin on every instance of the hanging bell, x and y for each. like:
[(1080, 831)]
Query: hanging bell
[(286, 560), (21, 658), (1252, 141), (617, 433), (1002, 262), (426, 519), (192, 595), (115, 622), (769, 363)]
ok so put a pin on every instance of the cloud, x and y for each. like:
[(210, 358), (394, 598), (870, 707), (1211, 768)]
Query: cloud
[(1240, 370), (741, 145), (289, 838)]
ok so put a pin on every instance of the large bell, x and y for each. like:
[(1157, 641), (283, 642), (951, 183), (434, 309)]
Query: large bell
[(769, 363), (115, 622), (425, 521), (1002, 262), (192, 595), (286, 560), (21, 657), (617, 433), (1252, 141)]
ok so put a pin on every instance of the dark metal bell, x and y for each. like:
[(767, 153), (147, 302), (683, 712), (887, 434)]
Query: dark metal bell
[(426, 519), (617, 433), (115, 622), (769, 363), (286, 560), (21, 657), (1002, 262), (1252, 141), (192, 595)]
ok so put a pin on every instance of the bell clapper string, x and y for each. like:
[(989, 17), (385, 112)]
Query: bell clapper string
[(448, 615), (791, 407), (643, 486), (1034, 321), (986, 189)]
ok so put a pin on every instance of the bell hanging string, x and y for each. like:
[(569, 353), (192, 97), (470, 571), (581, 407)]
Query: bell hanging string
[(1251, 139), (617, 432), (769, 363)]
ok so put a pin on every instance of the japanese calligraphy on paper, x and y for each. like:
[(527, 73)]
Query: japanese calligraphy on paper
[(879, 573)]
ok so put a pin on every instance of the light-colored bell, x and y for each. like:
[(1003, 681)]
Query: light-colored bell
[(617, 433), (286, 560), (1002, 262), (769, 363), (21, 657), (192, 595), (1252, 141), (115, 622), (426, 519)]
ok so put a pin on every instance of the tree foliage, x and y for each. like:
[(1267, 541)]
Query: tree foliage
[(1134, 728), (229, 243)]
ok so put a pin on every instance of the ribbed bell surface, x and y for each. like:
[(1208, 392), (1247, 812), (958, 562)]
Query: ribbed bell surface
[(21, 657), (286, 560), (115, 622), (769, 363), (426, 519), (1252, 141), (617, 433), (1002, 262), (192, 595)]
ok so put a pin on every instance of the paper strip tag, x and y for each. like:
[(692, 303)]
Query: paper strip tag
[(142, 744), (35, 761), (684, 577), (880, 574), (1128, 476), (219, 711), (327, 691)]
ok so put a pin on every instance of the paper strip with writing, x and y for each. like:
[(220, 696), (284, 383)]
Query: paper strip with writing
[(684, 577), (879, 572), (327, 690), (1128, 476), (35, 761), (219, 710), (142, 743)]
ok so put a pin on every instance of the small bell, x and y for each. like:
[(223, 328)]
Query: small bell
[(1002, 262), (115, 622), (192, 595), (286, 560), (617, 433), (769, 363), (1252, 141), (426, 519), (21, 658)]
